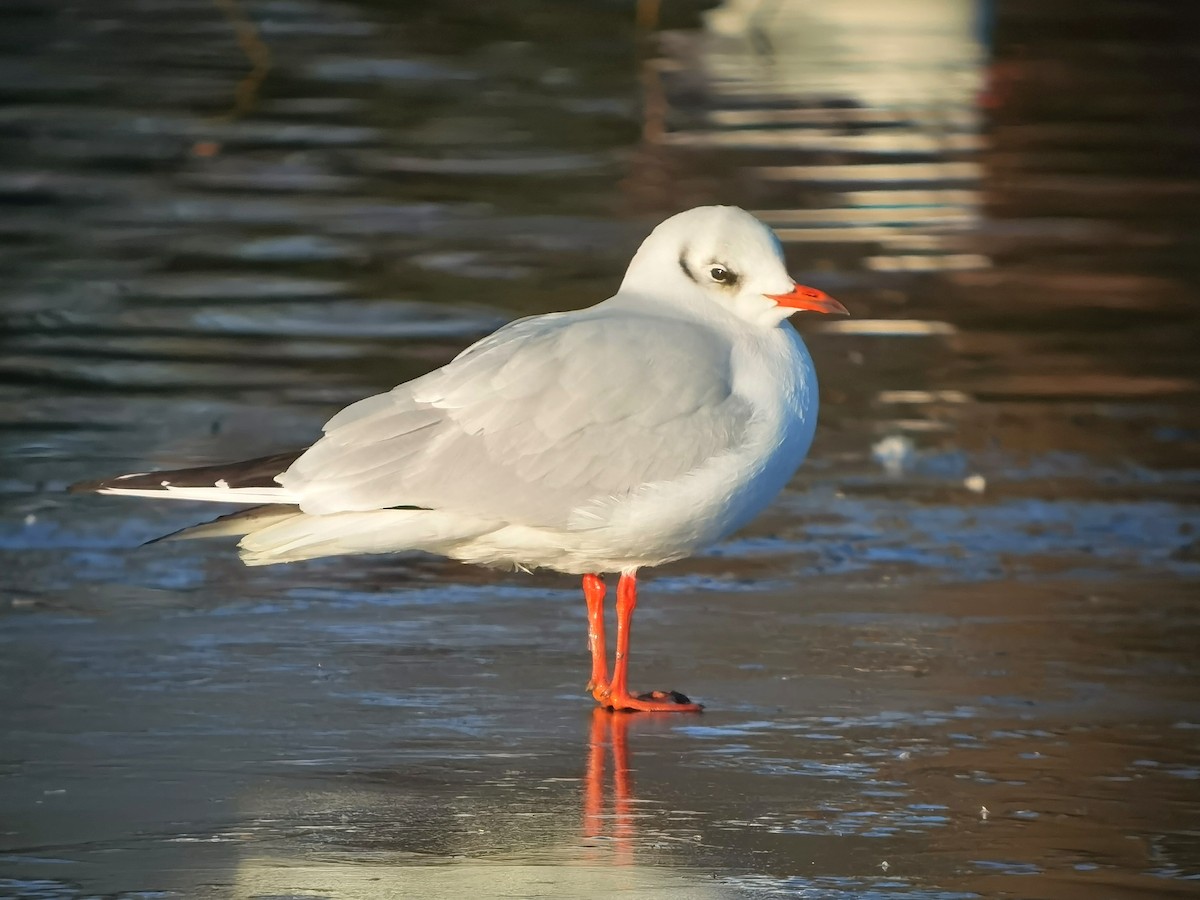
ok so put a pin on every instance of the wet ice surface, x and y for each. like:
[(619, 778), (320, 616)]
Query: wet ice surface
[(956, 659), (420, 740)]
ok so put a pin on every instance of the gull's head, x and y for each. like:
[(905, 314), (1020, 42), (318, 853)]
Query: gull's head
[(722, 255)]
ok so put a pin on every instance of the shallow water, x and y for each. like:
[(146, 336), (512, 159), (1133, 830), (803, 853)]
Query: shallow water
[(956, 659)]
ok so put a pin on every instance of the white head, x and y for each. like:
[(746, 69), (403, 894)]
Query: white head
[(722, 254)]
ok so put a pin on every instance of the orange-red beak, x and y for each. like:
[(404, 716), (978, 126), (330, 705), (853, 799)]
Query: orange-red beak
[(801, 297)]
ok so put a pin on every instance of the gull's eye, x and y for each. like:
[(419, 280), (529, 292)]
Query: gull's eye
[(721, 275)]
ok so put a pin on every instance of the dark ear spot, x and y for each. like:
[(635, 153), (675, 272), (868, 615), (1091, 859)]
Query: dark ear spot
[(686, 270)]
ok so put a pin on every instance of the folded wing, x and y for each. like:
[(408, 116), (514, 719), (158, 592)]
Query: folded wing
[(533, 423)]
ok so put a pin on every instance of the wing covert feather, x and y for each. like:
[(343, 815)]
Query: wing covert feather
[(533, 422)]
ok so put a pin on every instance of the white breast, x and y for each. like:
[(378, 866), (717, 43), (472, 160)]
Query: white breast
[(666, 521), (777, 376)]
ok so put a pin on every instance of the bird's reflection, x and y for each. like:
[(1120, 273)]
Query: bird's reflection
[(612, 821)]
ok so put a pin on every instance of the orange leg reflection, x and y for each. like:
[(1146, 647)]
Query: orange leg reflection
[(609, 729)]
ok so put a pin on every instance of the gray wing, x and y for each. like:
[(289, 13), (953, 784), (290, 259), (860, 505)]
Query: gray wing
[(533, 422)]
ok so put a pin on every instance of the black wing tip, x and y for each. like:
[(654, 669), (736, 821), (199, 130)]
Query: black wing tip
[(257, 472), (84, 487), (212, 528), (164, 537), (137, 480), (92, 487)]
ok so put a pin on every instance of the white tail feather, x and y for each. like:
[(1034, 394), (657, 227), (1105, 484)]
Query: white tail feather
[(301, 536)]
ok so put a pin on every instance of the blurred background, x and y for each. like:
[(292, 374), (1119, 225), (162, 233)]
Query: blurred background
[(955, 659)]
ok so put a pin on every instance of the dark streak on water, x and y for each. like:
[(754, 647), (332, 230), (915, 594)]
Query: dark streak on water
[(957, 659)]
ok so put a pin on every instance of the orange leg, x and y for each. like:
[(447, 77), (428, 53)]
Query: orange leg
[(593, 593), (615, 694)]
